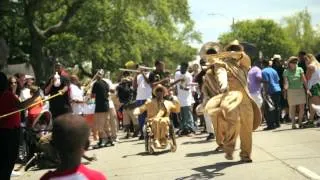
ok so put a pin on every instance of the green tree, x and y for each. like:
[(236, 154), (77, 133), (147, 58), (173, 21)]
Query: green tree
[(267, 35), (299, 28), (106, 33)]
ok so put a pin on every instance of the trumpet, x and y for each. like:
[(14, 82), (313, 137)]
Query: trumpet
[(146, 68), (136, 70), (129, 70)]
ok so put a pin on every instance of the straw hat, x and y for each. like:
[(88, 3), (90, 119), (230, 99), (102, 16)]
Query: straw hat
[(209, 46), (234, 46), (159, 86), (293, 59), (240, 57), (224, 102)]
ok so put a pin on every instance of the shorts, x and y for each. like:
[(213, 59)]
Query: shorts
[(315, 90)]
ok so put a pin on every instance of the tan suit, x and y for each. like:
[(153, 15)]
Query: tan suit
[(243, 119), (158, 114), (210, 89)]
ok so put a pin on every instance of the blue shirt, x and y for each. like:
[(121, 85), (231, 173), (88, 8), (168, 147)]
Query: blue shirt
[(271, 76)]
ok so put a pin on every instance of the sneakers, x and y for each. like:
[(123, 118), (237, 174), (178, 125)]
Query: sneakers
[(210, 136), (246, 160), (141, 137), (109, 142), (219, 149), (100, 144), (294, 126)]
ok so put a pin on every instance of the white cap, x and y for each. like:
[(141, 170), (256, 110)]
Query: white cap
[(276, 56), (29, 76)]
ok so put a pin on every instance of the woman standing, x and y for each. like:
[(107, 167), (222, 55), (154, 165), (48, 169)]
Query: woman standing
[(13, 85), (313, 78), (76, 95), (9, 126), (294, 89)]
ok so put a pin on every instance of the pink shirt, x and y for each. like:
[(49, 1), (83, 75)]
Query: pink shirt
[(79, 173)]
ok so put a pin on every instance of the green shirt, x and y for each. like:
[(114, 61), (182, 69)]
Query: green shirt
[(294, 78)]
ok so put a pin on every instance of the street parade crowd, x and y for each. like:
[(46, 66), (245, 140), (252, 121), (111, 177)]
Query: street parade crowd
[(225, 94)]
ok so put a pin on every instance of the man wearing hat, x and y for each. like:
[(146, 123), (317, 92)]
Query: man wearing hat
[(233, 106), (158, 110), (127, 96), (100, 91), (211, 124)]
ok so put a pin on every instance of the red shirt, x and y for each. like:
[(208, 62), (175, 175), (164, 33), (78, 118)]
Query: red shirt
[(79, 173), (8, 103), (34, 111)]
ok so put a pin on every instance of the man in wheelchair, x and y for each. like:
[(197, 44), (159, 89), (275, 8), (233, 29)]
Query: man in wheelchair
[(158, 111)]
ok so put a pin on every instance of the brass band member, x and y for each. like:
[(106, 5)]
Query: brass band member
[(231, 74), (158, 111), (100, 91), (203, 79), (158, 76), (127, 98)]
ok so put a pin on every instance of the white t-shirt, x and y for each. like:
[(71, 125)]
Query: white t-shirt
[(144, 90), (25, 94), (76, 93), (185, 96)]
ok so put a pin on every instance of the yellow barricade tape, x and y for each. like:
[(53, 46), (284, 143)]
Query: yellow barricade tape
[(47, 99)]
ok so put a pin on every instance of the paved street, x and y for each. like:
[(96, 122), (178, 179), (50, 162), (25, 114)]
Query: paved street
[(277, 154)]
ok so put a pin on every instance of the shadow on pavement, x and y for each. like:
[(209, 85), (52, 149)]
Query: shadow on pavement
[(281, 130), (124, 140), (147, 154), (206, 153), (196, 142), (209, 171)]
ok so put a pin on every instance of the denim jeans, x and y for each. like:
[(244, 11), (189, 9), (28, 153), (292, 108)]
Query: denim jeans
[(187, 122)]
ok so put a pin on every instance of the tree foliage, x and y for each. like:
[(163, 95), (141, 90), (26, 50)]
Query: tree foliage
[(105, 32), (299, 28), (266, 34), (294, 34)]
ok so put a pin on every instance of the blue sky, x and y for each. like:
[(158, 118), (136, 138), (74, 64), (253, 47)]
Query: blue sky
[(213, 17)]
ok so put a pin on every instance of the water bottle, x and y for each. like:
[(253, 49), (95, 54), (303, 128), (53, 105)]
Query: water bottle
[(56, 79)]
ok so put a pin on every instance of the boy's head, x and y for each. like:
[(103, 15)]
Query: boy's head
[(70, 134)]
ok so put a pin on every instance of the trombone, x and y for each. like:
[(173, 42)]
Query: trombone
[(136, 70)]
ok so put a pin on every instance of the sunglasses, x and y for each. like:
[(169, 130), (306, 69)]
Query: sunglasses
[(13, 82)]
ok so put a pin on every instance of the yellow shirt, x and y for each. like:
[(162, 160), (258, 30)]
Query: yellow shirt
[(157, 109)]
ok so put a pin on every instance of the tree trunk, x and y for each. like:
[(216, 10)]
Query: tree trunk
[(38, 62)]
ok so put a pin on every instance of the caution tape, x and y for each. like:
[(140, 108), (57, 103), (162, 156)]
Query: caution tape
[(44, 100)]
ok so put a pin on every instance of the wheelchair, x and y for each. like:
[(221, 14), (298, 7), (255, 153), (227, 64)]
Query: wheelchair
[(149, 139)]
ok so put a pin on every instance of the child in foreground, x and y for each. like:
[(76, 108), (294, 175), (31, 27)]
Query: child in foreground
[(69, 137)]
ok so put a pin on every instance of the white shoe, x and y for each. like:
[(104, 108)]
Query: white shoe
[(15, 174)]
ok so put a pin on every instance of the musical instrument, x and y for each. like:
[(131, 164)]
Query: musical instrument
[(136, 70), (90, 83), (129, 70), (146, 68)]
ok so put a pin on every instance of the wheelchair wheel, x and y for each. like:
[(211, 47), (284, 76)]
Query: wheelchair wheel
[(31, 162), (172, 135), (23, 152)]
